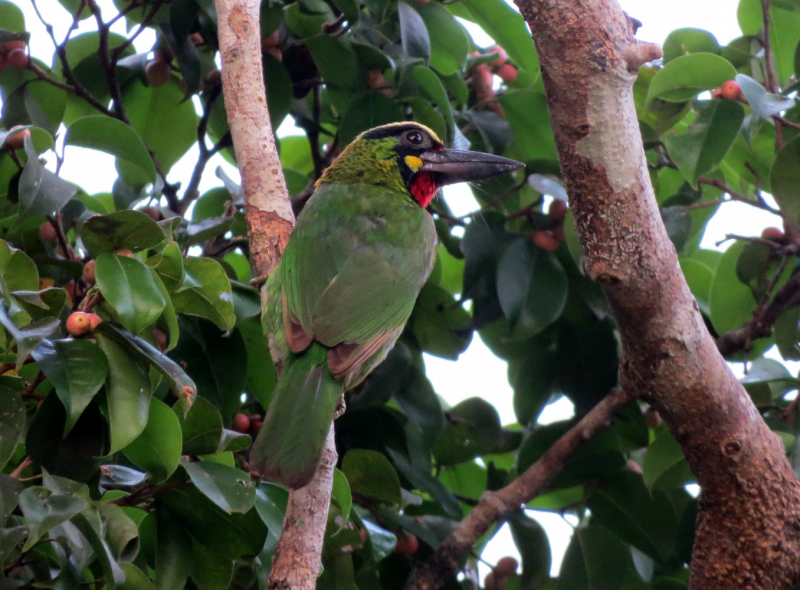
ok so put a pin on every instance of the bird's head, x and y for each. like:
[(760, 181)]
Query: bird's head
[(411, 158)]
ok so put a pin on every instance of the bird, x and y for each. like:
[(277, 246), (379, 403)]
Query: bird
[(361, 250)]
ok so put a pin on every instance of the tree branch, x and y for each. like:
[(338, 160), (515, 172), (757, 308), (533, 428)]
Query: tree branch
[(748, 526), (493, 505), (269, 216)]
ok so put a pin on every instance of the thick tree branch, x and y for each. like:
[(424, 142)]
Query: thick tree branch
[(748, 527), (493, 505), (270, 220)]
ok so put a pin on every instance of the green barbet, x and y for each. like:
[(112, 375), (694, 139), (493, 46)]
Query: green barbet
[(362, 249)]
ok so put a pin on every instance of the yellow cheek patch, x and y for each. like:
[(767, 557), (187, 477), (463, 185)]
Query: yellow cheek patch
[(414, 162)]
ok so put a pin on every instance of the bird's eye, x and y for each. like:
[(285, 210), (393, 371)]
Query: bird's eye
[(414, 137)]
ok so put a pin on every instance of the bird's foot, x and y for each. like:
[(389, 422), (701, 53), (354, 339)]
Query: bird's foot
[(341, 406)]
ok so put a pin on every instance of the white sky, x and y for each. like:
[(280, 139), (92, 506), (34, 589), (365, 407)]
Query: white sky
[(478, 372)]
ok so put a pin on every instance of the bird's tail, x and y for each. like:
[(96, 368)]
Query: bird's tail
[(290, 444)]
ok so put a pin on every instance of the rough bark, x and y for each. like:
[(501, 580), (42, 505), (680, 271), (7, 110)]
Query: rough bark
[(270, 220), (748, 526), (493, 505)]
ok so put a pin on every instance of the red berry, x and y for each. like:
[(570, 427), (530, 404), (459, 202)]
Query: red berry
[(507, 566), (7, 47), (481, 78), (47, 233), (652, 418), (17, 141), (272, 41), (255, 425), (375, 79), (545, 240), (507, 73), (17, 58), (407, 543), (94, 320), (558, 232), (213, 78), (772, 233), (196, 38), (78, 323), (731, 90), (153, 213), (485, 95), (364, 535), (70, 289), (557, 210), (503, 56), (241, 423), (157, 72), (274, 52), (161, 340), (88, 272), (3, 62)]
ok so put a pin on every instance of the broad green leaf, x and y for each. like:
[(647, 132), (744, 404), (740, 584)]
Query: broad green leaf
[(40, 191), (367, 111), (664, 465), (210, 571), (204, 290), (596, 559), (762, 103), (306, 24), (785, 179), (10, 489), (11, 17), (43, 511), (90, 526), (449, 43), (698, 276), (422, 479), (413, 33), (201, 426), (12, 425), (122, 531), (703, 145), (261, 377), (730, 302), (232, 535), (132, 230), (787, 334), (77, 369), (342, 494), (533, 135), (128, 393), (17, 271), (370, 474), (507, 27), (686, 76), (440, 323), (41, 304), (432, 86), (99, 132), (135, 579), (30, 336), (129, 287), (685, 41), (229, 488), (336, 60), (271, 501), (157, 449), (472, 430), (174, 558), (534, 548), (531, 287)]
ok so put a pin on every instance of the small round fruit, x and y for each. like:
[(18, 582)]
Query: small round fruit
[(407, 543), (545, 240), (255, 426), (557, 210), (558, 232), (7, 47), (88, 272), (153, 213), (731, 90), (485, 95), (78, 323), (241, 423), (126, 252), (196, 38), (507, 73), (364, 536), (213, 77), (502, 56), (652, 418), (271, 41), (772, 233), (507, 566), (497, 109), (94, 321), (161, 340), (494, 582), (18, 59), (274, 52), (17, 141), (3, 63), (47, 233), (375, 79), (157, 73), (481, 78)]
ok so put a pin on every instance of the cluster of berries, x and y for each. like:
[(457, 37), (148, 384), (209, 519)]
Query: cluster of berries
[(13, 54), (481, 77), (548, 239)]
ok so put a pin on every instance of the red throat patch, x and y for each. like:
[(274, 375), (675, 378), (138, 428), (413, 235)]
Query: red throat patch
[(423, 188)]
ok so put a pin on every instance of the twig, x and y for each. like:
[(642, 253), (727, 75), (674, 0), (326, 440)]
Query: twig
[(496, 201), (62, 239), (192, 190), (109, 66), (493, 505), (30, 389), (734, 196), (145, 493), (21, 467), (117, 52)]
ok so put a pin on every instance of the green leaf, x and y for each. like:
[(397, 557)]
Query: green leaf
[(762, 103), (336, 61), (131, 290), (698, 276), (135, 579), (201, 426), (12, 426), (507, 27), (341, 493), (229, 488), (271, 501), (157, 449), (534, 548), (174, 557), (730, 302), (471, 430), (413, 33), (109, 135), (261, 377), (43, 511), (422, 479), (128, 229), (231, 535), (596, 559), (40, 191), (533, 134), (367, 111), (279, 89), (449, 44), (678, 223), (17, 270), (210, 571), (531, 287), (10, 489), (703, 145), (77, 369), (306, 24), (685, 41), (41, 304), (30, 336), (440, 323), (664, 465), (112, 573), (785, 179), (370, 474), (787, 334), (128, 393), (686, 76)]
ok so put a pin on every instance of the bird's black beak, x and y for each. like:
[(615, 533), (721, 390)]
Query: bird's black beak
[(452, 166)]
